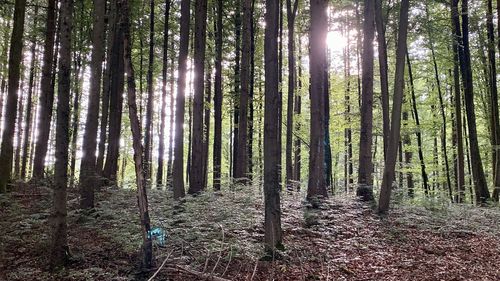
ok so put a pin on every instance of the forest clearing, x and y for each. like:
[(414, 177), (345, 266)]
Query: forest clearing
[(220, 234)]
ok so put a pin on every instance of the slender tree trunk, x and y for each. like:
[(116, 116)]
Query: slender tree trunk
[(297, 112), (76, 115), (384, 68), (217, 150), (149, 107), (481, 187), (172, 114), (178, 167), (425, 179), (161, 147), (241, 164), (494, 102), (237, 84), (19, 131), (196, 174), (29, 102), (392, 151), (408, 156), (206, 127), (291, 13), (135, 126), (251, 96), (318, 31), (272, 210), (46, 102), (15, 57), (59, 249), (115, 102), (365, 179), (88, 171)]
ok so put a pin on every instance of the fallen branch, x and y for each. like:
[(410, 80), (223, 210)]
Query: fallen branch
[(200, 275), (161, 266)]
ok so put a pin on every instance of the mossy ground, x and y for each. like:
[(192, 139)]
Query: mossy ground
[(222, 233)]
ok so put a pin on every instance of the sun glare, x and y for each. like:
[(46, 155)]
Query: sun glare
[(336, 42)]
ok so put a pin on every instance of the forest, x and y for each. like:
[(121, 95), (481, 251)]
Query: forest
[(249, 140)]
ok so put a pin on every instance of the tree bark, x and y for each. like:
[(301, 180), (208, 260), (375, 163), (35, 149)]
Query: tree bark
[(135, 126), (218, 95), (178, 167), (237, 84), (272, 218), (149, 106), (196, 175), (59, 249), (365, 179), (161, 147), (481, 187), (291, 12), (392, 151), (46, 93), (15, 57), (318, 31), (384, 68), (88, 171)]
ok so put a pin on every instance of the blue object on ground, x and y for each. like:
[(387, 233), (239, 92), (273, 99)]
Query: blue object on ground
[(157, 234)]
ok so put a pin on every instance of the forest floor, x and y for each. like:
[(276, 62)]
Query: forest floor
[(220, 235)]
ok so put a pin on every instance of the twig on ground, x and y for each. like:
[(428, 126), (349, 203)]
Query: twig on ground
[(161, 266)]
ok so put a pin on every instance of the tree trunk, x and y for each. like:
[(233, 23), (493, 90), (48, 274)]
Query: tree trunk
[(59, 249), (161, 147), (291, 13), (206, 127), (481, 187), (115, 102), (217, 149), (15, 57), (196, 172), (76, 113), (365, 179), (19, 131), (494, 102), (297, 111), (241, 164), (237, 84), (88, 171), (178, 167), (392, 151), (425, 179), (46, 92), (135, 126), (29, 102), (384, 68), (272, 218), (149, 107), (318, 30), (172, 114)]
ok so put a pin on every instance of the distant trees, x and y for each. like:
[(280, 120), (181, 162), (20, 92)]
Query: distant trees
[(14, 69)]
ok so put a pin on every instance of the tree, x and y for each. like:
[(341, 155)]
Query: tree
[(272, 210), (291, 13), (161, 147), (59, 249), (46, 92), (135, 126), (365, 181), (241, 164), (317, 182), (392, 151), (480, 185), (88, 172), (15, 57), (218, 94), (196, 175), (149, 107), (384, 68), (178, 167)]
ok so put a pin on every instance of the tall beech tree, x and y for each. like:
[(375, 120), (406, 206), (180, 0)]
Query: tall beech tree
[(196, 175), (178, 166), (15, 57), (272, 210), (135, 126), (59, 243), (365, 180), (392, 150), (317, 64), (480, 185), (149, 105), (384, 69), (46, 101), (88, 171), (218, 96)]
